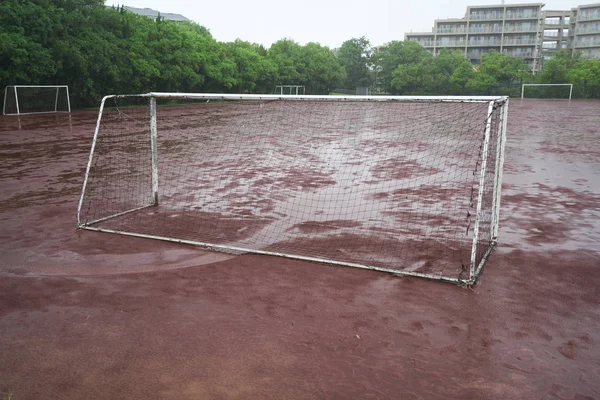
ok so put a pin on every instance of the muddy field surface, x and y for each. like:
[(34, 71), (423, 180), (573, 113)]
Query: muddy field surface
[(100, 316)]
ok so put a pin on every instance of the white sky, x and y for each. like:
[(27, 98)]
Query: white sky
[(329, 22)]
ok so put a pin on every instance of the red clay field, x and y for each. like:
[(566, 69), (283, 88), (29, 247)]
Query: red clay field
[(94, 315)]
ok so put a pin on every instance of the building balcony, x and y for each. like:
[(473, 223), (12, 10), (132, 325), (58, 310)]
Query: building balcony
[(589, 16), (520, 28), (591, 53), (451, 44), (423, 40), (451, 31), (486, 29), (519, 42), (553, 22), (487, 16), (551, 34), (588, 43), (519, 54), (586, 30), (510, 15), (475, 55), (550, 46), (474, 43)]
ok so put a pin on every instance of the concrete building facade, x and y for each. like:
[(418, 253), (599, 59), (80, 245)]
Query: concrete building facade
[(519, 30), (585, 25), (148, 12)]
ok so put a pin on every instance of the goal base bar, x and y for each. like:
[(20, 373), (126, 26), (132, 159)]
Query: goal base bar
[(218, 247), (39, 112)]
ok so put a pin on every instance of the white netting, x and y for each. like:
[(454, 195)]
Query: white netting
[(386, 184)]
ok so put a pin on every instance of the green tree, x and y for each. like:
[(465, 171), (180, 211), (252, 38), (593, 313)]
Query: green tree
[(556, 69), (286, 54), (253, 71), (499, 73), (585, 75), (322, 70), (450, 73), (389, 56), (355, 55), (411, 78)]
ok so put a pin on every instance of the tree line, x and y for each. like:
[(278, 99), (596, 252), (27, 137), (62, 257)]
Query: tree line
[(99, 50)]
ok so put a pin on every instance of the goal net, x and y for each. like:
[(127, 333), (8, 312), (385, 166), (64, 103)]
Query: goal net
[(19, 99), (290, 90), (408, 185), (547, 91)]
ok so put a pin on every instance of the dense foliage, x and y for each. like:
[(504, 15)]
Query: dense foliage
[(99, 50), (566, 67)]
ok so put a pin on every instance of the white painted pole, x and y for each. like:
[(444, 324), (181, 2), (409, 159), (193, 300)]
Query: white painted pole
[(522, 91), (56, 100), (153, 146), (68, 99), (484, 157), (17, 100), (218, 247), (90, 159), (570, 92), (501, 166), (4, 107), (498, 170)]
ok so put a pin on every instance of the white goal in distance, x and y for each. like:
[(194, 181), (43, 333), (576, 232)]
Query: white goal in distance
[(36, 99), (290, 90), (547, 91), (406, 185)]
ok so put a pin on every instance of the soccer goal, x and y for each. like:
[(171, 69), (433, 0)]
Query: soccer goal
[(406, 185), (290, 90), (25, 99), (547, 91)]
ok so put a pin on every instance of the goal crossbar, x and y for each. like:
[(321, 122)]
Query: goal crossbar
[(219, 96), (570, 85), (486, 193)]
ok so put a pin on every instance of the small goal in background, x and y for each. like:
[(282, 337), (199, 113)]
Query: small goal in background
[(407, 185), (290, 90), (26, 99), (557, 91)]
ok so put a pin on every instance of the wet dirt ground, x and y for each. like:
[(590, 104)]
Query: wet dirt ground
[(99, 316)]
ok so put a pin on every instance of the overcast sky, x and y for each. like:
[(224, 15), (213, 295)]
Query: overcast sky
[(329, 22)]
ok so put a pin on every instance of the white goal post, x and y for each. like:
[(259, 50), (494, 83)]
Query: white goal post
[(290, 90), (408, 185), (548, 85), (36, 99)]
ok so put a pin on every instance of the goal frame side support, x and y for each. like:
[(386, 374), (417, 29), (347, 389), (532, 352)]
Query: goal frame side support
[(474, 269), (57, 87), (484, 156), (154, 150), (547, 84), (154, 163)]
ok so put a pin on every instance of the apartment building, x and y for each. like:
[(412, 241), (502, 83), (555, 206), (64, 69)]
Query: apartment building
[(148, 12), (519, 30), (556, 33), (585, 25)]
